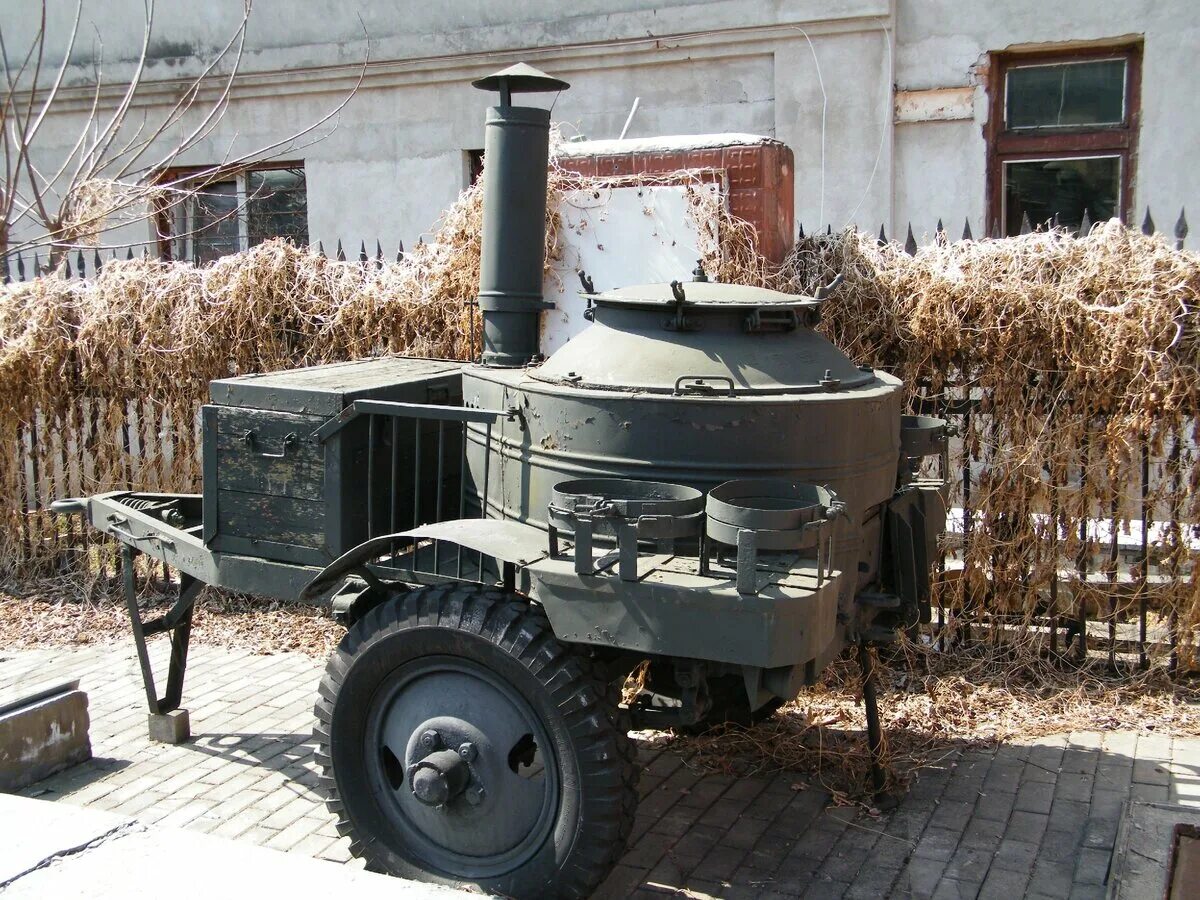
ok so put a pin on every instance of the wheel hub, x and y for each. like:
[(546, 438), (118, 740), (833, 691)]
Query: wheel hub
[(465, 766), (442, 775)]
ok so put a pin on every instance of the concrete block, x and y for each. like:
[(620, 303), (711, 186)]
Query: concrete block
[(1004, 884), (1143, 849), (938, 843), (41, 733), (1035, 798), (174, 727), (1014, 855), (921, 877)]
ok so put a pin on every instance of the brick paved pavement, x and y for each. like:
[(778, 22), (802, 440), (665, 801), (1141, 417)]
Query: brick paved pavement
[(1037, 820)]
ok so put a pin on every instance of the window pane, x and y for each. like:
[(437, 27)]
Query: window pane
[(214, 222), (1041, 188), (277, 206), (1066, 95)]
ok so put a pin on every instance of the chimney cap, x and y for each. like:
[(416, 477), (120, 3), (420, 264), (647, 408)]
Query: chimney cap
[(521, 78)]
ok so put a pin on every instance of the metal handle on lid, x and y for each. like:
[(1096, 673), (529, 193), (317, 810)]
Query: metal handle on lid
[(823, 292), (699, 384)]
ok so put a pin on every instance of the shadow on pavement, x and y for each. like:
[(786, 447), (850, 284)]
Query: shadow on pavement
[(290, 753), (75, 778), (1012, 820)]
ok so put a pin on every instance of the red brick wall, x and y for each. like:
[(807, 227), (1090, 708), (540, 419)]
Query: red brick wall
[(758, 179)]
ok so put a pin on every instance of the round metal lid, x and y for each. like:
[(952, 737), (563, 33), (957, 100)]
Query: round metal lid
[(731, 341)]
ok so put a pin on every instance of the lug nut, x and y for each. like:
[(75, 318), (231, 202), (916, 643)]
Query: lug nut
[(474, 794), (429, 740), (467, 751)]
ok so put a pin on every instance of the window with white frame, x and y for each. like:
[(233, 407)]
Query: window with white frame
[(239, 212)]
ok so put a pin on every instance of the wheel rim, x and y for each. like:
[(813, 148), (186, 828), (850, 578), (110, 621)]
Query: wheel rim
[(462, 766)]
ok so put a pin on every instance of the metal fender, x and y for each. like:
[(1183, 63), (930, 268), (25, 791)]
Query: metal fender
[(508, 541)]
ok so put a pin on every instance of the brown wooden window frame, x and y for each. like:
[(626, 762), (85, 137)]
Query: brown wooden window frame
[(164, 215), (1073, 142)]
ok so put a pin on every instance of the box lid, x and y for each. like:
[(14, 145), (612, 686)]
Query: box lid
[(327, 390)]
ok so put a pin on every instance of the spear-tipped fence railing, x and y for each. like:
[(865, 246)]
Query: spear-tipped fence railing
[(19, 267)]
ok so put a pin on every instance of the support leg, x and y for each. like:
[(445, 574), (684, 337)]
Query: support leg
[(167, 722), (128, 554), (871, 704), (179, 623)]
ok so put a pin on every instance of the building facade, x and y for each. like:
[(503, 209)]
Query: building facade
[(897, 111)]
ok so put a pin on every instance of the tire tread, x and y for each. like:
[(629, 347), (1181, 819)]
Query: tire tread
[(575, 683)]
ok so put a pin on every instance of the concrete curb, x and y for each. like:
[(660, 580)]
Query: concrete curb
[(62, 851), (1142, 858)]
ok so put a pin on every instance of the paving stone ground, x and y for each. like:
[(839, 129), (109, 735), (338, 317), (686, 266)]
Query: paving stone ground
[(1036, 820)]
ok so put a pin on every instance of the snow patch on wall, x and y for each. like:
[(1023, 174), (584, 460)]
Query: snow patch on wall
[(665, 144)]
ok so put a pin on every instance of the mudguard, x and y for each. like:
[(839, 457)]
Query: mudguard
[(511, 542)]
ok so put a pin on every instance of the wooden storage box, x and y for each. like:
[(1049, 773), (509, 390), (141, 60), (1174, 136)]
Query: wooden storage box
[(274, 490)]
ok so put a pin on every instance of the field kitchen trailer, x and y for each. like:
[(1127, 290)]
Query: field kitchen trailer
[(698, 481)]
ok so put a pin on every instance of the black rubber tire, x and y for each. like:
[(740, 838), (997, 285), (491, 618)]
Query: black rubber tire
[(563, 687)]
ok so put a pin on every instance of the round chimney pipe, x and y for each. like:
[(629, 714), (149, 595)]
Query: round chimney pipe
[(516, 152)]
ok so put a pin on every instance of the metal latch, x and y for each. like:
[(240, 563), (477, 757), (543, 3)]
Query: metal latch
[(679, 321), (764, 320), (588, 289), (701, 384), (823, 292)]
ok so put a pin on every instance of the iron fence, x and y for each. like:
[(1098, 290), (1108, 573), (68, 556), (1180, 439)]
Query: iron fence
[(1120, 574), (1125, 568), (15, 268)]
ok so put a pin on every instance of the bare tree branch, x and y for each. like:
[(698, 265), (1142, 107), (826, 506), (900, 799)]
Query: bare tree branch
[(116, 169), (105, 136), (97, 69), (161, 198), (32, 130), (186, 102), (13, 114)]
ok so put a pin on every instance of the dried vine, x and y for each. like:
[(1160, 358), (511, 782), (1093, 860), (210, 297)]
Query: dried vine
[(1079, 354)]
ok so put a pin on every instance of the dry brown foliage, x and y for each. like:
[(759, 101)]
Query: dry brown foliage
[(1081, 356), (1078, 351), (935, 704), (101, 380), (44, 619)]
